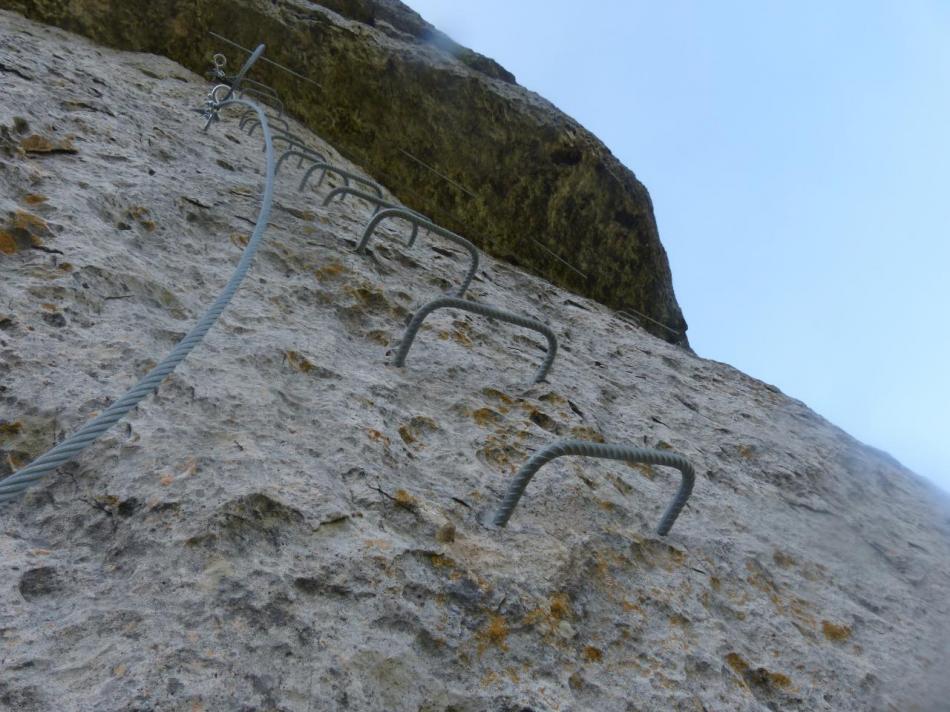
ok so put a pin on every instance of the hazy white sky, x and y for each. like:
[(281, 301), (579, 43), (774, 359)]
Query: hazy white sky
[(798, 156)]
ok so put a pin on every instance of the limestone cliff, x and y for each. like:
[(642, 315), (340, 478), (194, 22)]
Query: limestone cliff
[(527, 183), (292, 523)]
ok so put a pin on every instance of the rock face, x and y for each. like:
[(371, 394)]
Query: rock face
[(291, 523), (508, 170)]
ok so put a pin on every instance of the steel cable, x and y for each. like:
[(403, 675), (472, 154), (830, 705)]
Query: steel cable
[(13, 485)]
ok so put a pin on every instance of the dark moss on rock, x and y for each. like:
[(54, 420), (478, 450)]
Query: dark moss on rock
[(526, 182)]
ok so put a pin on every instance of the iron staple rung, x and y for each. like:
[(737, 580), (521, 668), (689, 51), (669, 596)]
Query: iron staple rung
[(585, 448), (418, 220), (482, 310), (346, 175)]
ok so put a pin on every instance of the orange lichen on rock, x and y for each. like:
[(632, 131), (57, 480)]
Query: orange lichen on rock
[(298, 361), (8, 243), (560, 606), (458, 335), (405, 500), (34, 143), (9, 428), (34, 225), (592, 654), (757, 677), (834, 632), (644, 469), (495, 632), (331, 271), (377, 436), (486, 416), (498, 395), (585, 432)]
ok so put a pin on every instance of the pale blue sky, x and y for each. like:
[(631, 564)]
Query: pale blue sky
[(798, 156)]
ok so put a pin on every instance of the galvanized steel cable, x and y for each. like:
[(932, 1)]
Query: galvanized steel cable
[(13, 485), (604, 451), (483, 310)]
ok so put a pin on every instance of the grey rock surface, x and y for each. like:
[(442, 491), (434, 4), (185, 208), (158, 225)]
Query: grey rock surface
[(291, 523)]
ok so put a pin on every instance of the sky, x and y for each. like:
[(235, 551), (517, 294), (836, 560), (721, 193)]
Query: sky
[(798, 158)]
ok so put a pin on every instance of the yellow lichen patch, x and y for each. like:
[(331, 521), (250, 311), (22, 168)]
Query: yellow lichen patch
[(541, 419), (746, 451), (606, 505), (440, 561), (33, 224), (652, 553), (782, 559), (759, 578), (495, 632), (513, 674), (560, 606), (758, 677), (456, 335), (553, 398), (489, 678), (551, 614), (446, 533), (486, 416), (585, 432), (239, 239), (498, 395), (499, 452), (334, 270), (10, 428), (418, 426), (34, 199), (778, 679), (592, 654), (405, 500), (377, 436), (631, 607), (40, 144), (65, 267), (298, 362), (715, 583), (834, 632), (378, 336), (8, 244), (735, 661), (367, 295), (644, 469), (679, 620)]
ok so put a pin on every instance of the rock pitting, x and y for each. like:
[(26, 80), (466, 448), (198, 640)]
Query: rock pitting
[(291, 523)]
